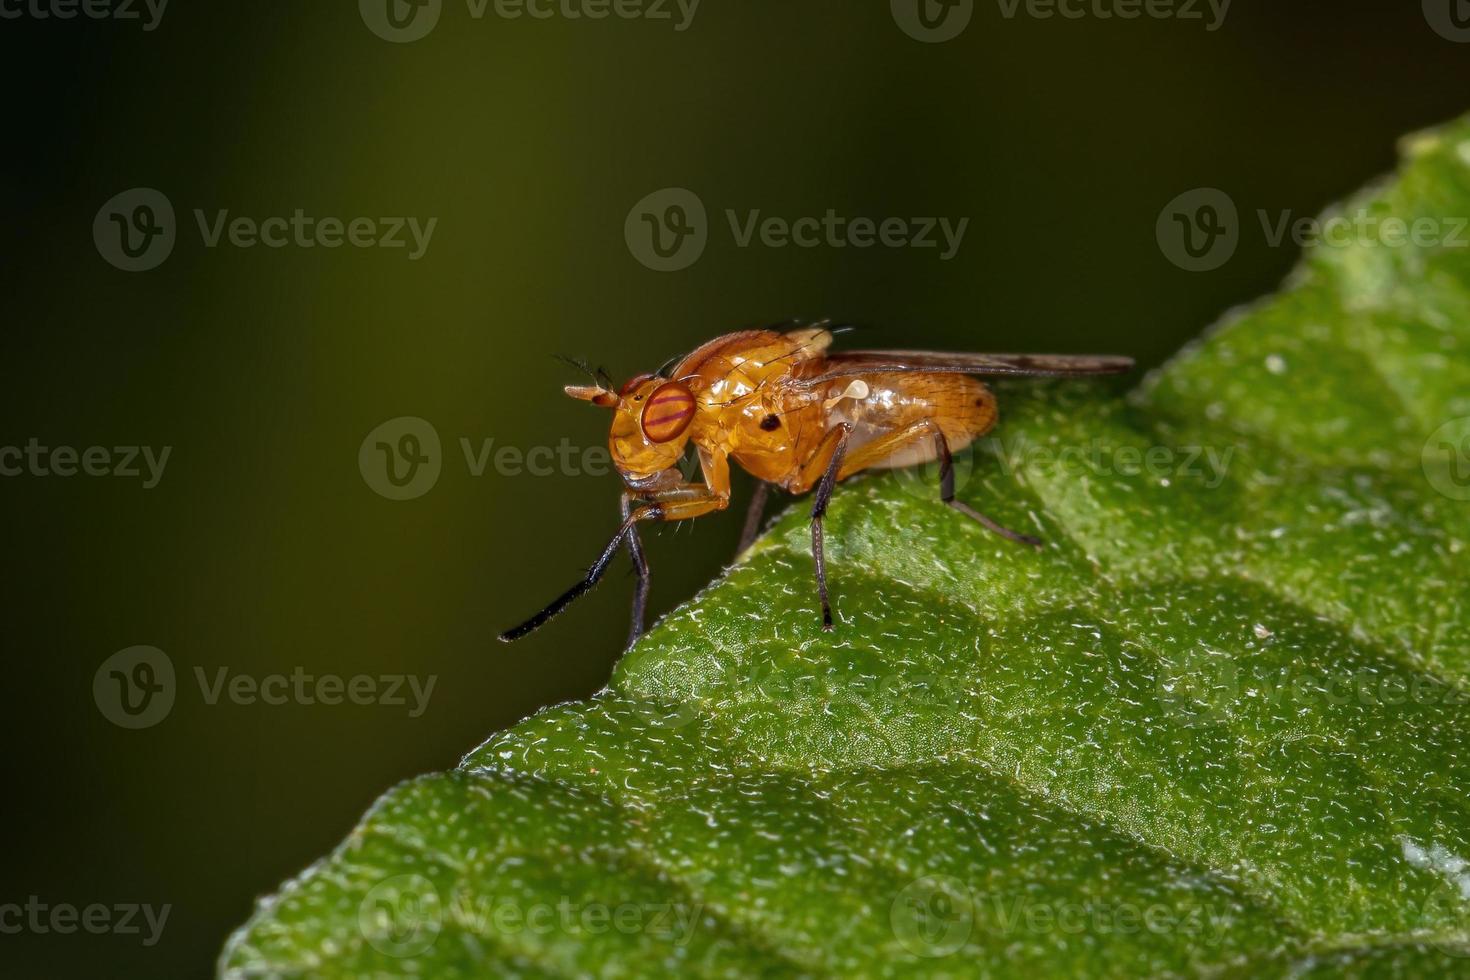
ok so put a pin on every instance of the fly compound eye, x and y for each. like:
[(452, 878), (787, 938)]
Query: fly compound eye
[(668, 412)]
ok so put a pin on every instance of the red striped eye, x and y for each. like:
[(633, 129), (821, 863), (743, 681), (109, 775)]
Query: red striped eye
[(668, 412)]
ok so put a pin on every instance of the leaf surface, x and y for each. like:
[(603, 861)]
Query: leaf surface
[(1218, 725)]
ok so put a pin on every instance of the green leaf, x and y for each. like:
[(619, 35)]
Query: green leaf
[(1217, 726)]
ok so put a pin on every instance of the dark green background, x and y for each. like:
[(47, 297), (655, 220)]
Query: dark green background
[(263, 549)]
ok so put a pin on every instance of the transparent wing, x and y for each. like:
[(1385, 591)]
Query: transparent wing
[(842, 364)]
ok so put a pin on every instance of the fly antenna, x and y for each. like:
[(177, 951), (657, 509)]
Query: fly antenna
[(580, 365)]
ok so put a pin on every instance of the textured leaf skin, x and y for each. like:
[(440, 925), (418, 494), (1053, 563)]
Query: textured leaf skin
[(1217, 727)]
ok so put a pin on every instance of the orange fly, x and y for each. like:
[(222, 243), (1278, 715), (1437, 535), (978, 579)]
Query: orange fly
[(798, 416)]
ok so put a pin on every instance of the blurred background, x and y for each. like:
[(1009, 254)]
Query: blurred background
[(274, 544)]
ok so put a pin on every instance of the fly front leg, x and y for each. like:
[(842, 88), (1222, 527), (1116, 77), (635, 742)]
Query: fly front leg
[(679, 503), (682, 502), (593, 576), (885, 446), (640, 567)]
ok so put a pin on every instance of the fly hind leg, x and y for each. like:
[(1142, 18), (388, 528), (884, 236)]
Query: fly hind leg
[(823, 468), (885, 446), (753, 517)]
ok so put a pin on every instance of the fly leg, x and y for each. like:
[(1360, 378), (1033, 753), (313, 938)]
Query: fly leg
[(885, 446), (946, 494), (826, 460), (640, 567), (753, 517), (593, 576), (680, 503)]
